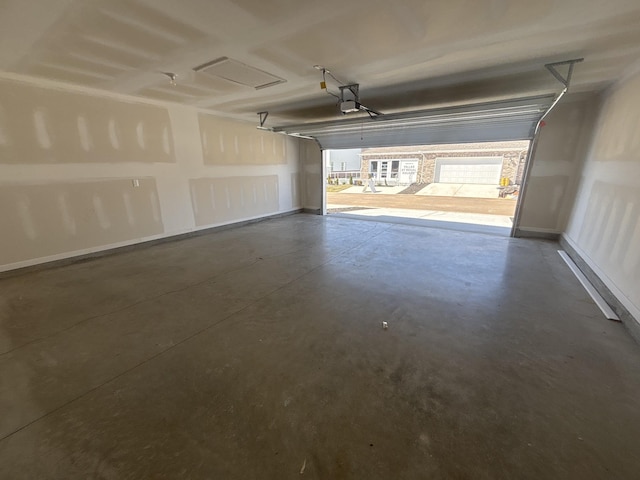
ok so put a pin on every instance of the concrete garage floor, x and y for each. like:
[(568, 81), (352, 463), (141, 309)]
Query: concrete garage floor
[(252, 352), (466, 222)]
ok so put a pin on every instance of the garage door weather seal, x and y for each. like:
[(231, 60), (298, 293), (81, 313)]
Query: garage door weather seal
[(604, 306)]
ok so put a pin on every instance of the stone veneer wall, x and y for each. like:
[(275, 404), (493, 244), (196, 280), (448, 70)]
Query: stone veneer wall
[(512, 162)]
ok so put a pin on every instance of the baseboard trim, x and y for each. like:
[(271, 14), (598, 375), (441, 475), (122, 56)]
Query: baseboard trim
[(525, 233), (313, 211), (632, 325), (83, 257)]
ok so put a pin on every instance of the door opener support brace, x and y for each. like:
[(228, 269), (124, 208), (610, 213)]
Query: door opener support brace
[(263, 117), (566, 81)]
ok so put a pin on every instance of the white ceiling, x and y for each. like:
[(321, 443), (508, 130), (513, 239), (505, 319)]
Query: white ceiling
[(406, 54)]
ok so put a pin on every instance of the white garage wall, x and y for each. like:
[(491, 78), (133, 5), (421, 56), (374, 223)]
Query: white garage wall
[(604, 226), (87, 171), (555, 168), (311, 160)]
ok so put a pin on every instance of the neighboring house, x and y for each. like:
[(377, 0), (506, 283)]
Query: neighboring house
[(343, 165), (477, 163)]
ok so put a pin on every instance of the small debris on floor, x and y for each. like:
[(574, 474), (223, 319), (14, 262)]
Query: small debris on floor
[(304, 465), (385, 325)]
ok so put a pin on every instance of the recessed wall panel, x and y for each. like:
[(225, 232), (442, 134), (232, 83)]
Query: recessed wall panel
[(226, 142), (223, 200), (610, 232), (41, 220), (45, 126)]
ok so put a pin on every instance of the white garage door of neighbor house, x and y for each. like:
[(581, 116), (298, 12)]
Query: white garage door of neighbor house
[(484, 171)]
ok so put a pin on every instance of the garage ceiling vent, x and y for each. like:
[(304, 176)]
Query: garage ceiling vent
[(238, 72), (504, 120)]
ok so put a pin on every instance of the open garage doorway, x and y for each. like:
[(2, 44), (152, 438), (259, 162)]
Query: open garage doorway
[(469, 186)]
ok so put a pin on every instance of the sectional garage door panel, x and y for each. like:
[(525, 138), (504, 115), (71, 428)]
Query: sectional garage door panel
[(480, 171), (487, 122), (420, 135)]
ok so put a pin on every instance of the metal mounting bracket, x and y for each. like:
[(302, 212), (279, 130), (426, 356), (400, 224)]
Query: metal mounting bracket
[(566, 81), (354, 88), (172, 77), (263, 117)]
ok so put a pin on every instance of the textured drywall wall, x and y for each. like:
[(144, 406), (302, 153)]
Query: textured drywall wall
[(81, 173), (556, 165), (604, 226), (311, 164), (45, 219), (45, 126), (225, 142), (217, 200)]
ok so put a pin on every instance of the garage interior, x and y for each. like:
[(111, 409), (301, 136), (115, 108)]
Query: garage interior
[(173, 303)]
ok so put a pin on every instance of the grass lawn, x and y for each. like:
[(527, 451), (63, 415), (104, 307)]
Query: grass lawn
[(337, 188)]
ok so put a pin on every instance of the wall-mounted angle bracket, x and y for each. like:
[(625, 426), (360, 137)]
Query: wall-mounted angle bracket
[(263, 118), (566, 81)]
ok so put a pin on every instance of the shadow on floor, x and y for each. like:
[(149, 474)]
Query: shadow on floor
[(421, 222)]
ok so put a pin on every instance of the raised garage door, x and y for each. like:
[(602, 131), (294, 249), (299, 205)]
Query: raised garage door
[(483, 171), (484, 122)]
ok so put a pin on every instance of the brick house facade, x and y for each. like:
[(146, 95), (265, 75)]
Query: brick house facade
[(426, 158)]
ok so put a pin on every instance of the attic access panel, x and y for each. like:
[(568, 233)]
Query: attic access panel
[(238, 72), (498, 121)]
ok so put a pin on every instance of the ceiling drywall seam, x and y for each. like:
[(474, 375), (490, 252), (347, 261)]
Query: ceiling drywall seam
[(65, 87)]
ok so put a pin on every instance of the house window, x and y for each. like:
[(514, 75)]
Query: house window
[(395, 167)]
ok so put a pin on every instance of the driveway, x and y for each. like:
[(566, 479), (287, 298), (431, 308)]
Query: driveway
[(465, 190), (490, 206), (380, 189)]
